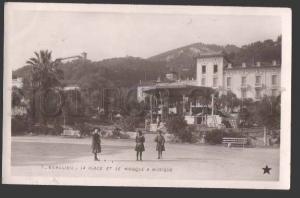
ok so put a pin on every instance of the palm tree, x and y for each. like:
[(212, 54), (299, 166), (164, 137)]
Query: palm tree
[(45, 75), (45, 72)]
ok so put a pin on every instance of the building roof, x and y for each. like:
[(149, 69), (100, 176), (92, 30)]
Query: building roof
[(253, 67), (211, 54), (175, 87)]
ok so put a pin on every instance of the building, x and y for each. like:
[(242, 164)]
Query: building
[(170, 79), (21, 108), (246, 81), (17, 82), (195, 98)]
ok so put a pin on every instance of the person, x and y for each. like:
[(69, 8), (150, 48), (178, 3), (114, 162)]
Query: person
[(139, 147), (96, 143), (160, 144)]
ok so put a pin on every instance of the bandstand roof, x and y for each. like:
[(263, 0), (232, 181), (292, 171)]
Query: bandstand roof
[(177, 89)]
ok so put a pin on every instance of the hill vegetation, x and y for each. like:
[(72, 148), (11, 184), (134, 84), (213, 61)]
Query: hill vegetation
[(129, 71)]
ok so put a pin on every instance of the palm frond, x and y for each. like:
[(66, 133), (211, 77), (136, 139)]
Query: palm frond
[(38, 56)]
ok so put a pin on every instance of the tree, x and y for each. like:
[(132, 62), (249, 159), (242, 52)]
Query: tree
[(268, 112), (16, 96), (227, 102), (246, 113), (45, 75), (45, 72)]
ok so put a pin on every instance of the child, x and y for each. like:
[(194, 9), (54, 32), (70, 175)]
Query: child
[(139, 147), (160, 144), (96, 143)]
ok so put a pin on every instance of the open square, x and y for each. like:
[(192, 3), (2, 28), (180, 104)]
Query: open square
[(51, 156)]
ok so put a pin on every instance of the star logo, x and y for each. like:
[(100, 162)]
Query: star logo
[(267, 170)]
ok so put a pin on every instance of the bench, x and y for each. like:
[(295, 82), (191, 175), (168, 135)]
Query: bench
[(234, 141)]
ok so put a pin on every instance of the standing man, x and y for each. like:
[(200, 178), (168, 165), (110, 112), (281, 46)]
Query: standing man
[(139, 147), (160, 144), (96, 143)]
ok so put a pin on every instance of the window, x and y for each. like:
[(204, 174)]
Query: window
[(257, 80), (258, 93), (274, 92), (228, 82), (215, 69), (203, 81), (203, 69), (244, 93), (274, 79), (215, 82), (244, 81)]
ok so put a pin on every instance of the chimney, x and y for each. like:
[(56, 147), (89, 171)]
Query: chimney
[(258, 64), (274, 63), (243, 65), (229, 66)]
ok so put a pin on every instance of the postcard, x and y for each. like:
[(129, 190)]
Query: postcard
[(147, 96)]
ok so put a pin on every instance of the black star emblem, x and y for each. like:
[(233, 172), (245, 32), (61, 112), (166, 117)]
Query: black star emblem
[(267, 170)]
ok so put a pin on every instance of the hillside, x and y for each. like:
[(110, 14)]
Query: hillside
[(182, 59), (115, 72), (129, 71), (126, 71)]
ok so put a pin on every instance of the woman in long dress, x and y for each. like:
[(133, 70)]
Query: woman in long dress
[(96, 143), (139, 147), (160, 144)]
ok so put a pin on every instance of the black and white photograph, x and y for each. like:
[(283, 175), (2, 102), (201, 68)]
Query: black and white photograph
[(147, 95)]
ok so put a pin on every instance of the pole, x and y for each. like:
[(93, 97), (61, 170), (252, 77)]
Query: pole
[(212, 105), (151, 117), (183, 104), (265, 136)]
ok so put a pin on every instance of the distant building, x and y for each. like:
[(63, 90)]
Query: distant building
[(19, 110), (246, 81), (172, 76), (213, 73), (17, 82)]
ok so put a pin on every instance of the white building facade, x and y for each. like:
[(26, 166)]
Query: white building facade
[(245, 81)]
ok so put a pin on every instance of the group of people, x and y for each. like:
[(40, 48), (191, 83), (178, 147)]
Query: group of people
[(139, 147)]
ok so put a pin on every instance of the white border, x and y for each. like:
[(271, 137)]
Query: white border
[(285, 149)]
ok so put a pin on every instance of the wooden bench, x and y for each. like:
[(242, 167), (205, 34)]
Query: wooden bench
[(234, 141)]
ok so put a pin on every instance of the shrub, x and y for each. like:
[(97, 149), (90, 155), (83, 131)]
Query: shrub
[(129, 123), (58, 129), (116, 132), (18, 126), (214, 137), (177, 125), (232, 134), (124, 136)]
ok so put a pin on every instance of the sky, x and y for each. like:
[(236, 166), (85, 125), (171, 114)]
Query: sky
[(106, 35)]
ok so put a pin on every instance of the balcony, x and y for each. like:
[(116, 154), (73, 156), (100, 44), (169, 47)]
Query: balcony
[(274, 85)]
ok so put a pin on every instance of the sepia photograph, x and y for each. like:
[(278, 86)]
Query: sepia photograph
[(147, 95)]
